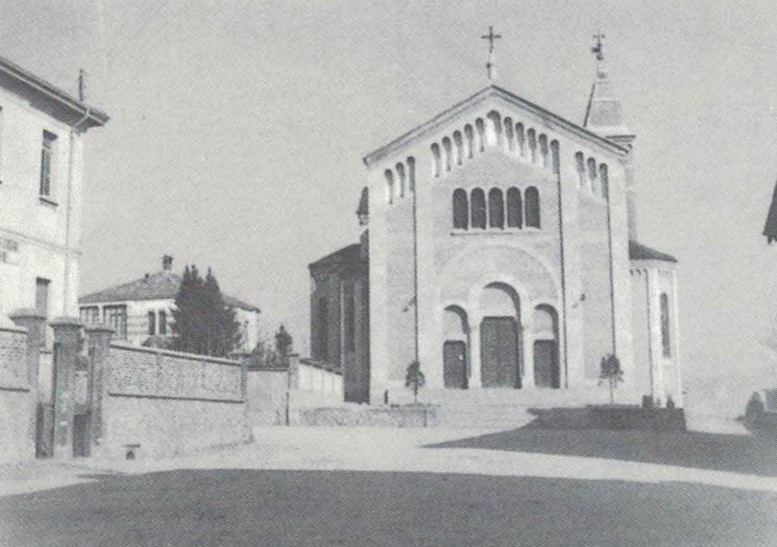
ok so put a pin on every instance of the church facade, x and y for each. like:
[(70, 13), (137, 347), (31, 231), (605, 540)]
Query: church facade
[(501, 253)]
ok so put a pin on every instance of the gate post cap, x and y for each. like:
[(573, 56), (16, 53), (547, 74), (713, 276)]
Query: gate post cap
[(66, 321), (99, 328), (27, 313)]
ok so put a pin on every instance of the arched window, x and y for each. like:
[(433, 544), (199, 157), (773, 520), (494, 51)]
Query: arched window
[(514, 208), (470, 140), (532, 207), (458, 142), (494, 133), (389, 185), (544, 152), (496, 208), (151, 323), (460, 209), (478, 208), (400, 179), (580, 161), (532, 138), (509, 134), (666, 343), (592, 174), (436, 160), (448, 152), (520, 139), (604, 179), (411, 173), (555, 157), (481, 129)]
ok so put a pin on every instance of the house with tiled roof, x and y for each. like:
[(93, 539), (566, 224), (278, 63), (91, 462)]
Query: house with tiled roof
[(140, 311)]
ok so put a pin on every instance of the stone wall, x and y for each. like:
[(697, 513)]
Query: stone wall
[(170, 403), (16, 397)]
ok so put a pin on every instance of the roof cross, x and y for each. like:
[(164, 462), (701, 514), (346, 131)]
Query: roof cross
[(598, 49), (491, 37)]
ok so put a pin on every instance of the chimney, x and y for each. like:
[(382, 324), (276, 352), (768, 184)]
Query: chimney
[(167, 262)]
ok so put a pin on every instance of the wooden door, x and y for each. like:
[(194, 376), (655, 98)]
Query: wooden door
[(499, 352), (455, 364), (546, 366)]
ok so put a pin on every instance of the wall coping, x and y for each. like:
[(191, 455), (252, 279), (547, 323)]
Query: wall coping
[(6, 325), (328, 367), (171, 353)]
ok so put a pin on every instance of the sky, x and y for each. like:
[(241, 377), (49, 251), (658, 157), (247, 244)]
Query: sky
[(238, 129)]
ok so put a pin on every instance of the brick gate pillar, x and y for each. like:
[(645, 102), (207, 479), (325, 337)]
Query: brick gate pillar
[(99, 343), (34, 322), (67, 334)]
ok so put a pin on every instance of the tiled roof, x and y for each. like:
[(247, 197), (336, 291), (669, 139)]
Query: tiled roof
[(157, 286), (347, 255), (637, 251)]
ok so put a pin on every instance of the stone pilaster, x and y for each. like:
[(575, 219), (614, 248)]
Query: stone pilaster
[(99, 343), (33, 322), (67, 332)]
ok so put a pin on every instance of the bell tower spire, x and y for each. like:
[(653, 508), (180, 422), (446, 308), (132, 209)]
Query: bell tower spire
[(604, 116)]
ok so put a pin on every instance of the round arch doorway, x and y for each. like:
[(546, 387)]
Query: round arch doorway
[(500, 337), (547, 371), (455, 348)]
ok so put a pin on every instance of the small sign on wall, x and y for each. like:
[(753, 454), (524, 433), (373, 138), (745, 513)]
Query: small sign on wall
[(9, 251)]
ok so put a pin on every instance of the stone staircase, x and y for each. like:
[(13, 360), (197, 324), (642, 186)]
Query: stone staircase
[(503, 408)]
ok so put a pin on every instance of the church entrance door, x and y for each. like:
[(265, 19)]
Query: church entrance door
[(499, 351), (455, 364), (546, 369)]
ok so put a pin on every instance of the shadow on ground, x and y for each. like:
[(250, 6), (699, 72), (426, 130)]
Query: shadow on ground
[(331, 508), (751, 454)]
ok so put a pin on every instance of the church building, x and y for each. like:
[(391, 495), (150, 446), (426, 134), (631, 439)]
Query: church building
[(500, 251)]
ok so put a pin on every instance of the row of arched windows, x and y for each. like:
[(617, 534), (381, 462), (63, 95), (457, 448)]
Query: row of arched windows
[(592, 177), (500, 210), (493, 132), (400, 180)]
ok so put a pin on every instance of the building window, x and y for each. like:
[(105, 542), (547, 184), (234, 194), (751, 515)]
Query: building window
[(151, 323), (162, 323), (496, 208), (532, 207), (90, 315), (116, 317), (666, 342), (460, 210), (42, 304), (436, 160), (46, 163), (580, 161), (514, 208), (389, 185), (478, 205)]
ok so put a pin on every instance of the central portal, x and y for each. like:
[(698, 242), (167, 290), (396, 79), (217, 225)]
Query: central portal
[(499, 350)]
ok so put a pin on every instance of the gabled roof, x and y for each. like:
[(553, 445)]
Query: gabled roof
[(603, 114), (637, 251), (350, 256), (550, 118), (157, 286), (48, 97)]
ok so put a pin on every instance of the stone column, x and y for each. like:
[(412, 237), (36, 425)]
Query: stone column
[(67, 331), (34, 322), (99, 344)]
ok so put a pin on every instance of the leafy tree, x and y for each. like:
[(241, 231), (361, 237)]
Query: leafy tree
[(203, 323), (414, 379), (611, 373), (283, 342)]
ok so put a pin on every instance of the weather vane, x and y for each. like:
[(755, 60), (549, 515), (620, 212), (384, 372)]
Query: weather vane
[(490, 65)]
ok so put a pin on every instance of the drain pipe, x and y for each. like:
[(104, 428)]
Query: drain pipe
[(68, 207)]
